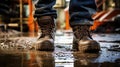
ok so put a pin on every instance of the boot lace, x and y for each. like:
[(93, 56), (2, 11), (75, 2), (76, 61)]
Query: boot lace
[(81, 32), (47, 29)]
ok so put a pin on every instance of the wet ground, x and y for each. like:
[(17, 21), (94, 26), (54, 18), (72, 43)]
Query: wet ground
[(18, 52)]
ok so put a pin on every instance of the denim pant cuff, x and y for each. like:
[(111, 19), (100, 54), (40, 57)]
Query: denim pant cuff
[(53, 14), (77, 23)]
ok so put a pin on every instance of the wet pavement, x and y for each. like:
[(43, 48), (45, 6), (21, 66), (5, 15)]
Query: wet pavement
[(22, 56)]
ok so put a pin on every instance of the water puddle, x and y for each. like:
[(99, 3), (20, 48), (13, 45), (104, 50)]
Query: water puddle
[(62, 56)]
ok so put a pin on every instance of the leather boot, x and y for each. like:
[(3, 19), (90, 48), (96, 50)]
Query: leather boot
[(46, 39), (83, 41)]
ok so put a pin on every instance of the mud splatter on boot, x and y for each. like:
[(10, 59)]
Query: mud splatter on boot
[(46, 39), (83, 41)]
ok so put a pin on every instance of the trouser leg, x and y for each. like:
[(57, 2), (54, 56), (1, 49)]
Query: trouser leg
[(81, 12), (45, 8)]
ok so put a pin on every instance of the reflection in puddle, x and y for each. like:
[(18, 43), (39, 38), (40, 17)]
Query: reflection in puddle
[(64, 64), (64, 59), (54, 59), (17, 59), (45, 59)]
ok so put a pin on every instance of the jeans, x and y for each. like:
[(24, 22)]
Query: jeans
[(80, 10), (45, 8)]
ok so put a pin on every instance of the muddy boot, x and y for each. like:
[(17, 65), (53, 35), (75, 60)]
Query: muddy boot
[(46, 39), (83, 41)]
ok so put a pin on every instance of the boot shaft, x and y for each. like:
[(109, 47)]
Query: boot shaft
[(47, 26)]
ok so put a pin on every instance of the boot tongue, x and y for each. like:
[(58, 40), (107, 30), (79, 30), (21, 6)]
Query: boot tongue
[(47, 31)]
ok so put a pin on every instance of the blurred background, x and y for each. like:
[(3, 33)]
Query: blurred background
[(18, 15)]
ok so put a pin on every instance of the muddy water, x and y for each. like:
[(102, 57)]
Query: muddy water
[(63, 56)]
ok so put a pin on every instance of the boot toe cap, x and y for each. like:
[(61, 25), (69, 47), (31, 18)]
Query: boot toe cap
[(89, 46), (46, 45)]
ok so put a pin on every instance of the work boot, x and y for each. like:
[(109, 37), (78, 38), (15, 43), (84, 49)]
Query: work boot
[(83, 41), (46, 40)]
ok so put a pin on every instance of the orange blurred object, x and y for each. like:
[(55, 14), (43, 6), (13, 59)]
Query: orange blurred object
[(67, 27), (33, 26), (104, 17)]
